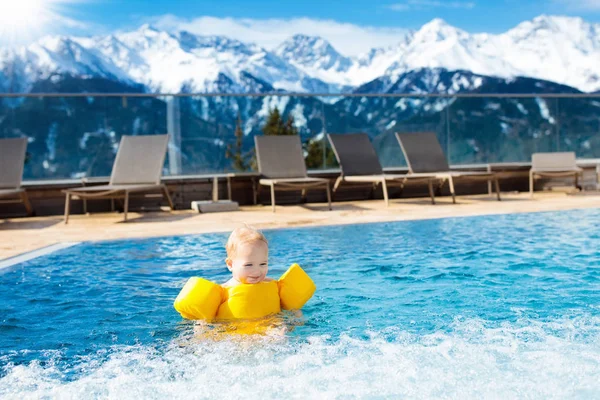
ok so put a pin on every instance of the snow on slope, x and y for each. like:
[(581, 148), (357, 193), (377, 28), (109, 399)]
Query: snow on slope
[(162, 61), (559, 49), (565, 50), (50, 55), (316, 57)]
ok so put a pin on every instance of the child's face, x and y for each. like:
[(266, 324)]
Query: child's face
[(250, 263)]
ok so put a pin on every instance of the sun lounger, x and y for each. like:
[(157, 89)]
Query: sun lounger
[(359, 164), (137, 169), (553, 165), (425, 158), (281, 166), (12, 161)]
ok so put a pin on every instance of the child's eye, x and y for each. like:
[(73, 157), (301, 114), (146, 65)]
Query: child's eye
[(263, 264), (247, 265)]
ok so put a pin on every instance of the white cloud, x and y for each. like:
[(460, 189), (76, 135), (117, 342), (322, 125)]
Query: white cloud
[(348, 39), (428, 4)]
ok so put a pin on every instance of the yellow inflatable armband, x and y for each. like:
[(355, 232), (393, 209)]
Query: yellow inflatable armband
[(199, 299), (202, 299), (295, 288)]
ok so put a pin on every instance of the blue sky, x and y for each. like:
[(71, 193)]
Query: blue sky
[(491, 16), (352, 26)]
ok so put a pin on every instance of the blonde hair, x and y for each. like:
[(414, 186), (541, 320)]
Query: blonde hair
[(243, 235)]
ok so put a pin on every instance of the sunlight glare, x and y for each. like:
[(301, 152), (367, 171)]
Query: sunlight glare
[(22, 20)]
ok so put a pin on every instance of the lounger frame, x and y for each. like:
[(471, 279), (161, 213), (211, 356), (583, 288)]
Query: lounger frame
[(282, 168), (554, 165), (137, 169), (12, 162), (425, 158), (360, 164)]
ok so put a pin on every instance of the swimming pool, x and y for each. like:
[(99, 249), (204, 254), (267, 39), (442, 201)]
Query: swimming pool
[(497, 306)]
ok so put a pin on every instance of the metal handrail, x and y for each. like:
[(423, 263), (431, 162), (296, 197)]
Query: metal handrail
[(286, 94)]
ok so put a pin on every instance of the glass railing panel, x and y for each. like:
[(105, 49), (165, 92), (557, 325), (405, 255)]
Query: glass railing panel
[(75, 136), (382, 116), (124, 115), (501, 129), (78, 136), (579, 126), (56, 127), (217, 132)]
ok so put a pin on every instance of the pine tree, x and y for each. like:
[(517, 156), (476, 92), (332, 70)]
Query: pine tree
[(290, 128), (314, 155), (239, 159), (276, 127), (274, 124)]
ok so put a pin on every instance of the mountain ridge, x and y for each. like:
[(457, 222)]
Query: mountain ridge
[(565, 50)]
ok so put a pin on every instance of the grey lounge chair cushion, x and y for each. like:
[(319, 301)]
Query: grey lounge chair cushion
[(423, 152), (140, 159), (280, 156), (554, 162), (115, 188), (355, 154), (12, 160)]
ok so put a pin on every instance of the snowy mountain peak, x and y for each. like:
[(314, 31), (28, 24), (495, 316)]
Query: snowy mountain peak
[(312, 52), (547, 25), (437, 30), (556, 22), (148, 29), (191, 42), (147, 37), (315, 43)]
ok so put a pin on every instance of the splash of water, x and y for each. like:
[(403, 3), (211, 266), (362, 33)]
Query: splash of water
[(556, 359)]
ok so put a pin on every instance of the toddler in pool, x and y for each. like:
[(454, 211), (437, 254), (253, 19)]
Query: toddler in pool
[(249, 295), (248, 261), (247, 257)]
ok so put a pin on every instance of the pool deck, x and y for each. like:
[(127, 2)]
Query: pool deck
[(21, 235)]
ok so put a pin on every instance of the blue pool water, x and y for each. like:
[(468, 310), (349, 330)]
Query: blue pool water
[(499, 306)]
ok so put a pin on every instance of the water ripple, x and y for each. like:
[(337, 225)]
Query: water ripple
[(485, 301)]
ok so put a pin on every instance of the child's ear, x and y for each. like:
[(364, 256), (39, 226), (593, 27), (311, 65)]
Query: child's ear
[(229, 263)]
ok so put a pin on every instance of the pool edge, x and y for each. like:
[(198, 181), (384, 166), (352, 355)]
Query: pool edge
[(30, 255)]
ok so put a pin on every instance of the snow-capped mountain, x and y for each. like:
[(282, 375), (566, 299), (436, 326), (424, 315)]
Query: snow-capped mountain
[(161, 61), (317, 58), (564, 50), (54, 55)]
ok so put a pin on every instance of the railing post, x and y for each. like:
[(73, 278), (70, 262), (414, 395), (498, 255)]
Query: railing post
[(324, 130), (174, 130), (557, 120), (447, 115)]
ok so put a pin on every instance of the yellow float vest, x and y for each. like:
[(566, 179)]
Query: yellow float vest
[(203, 299)]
